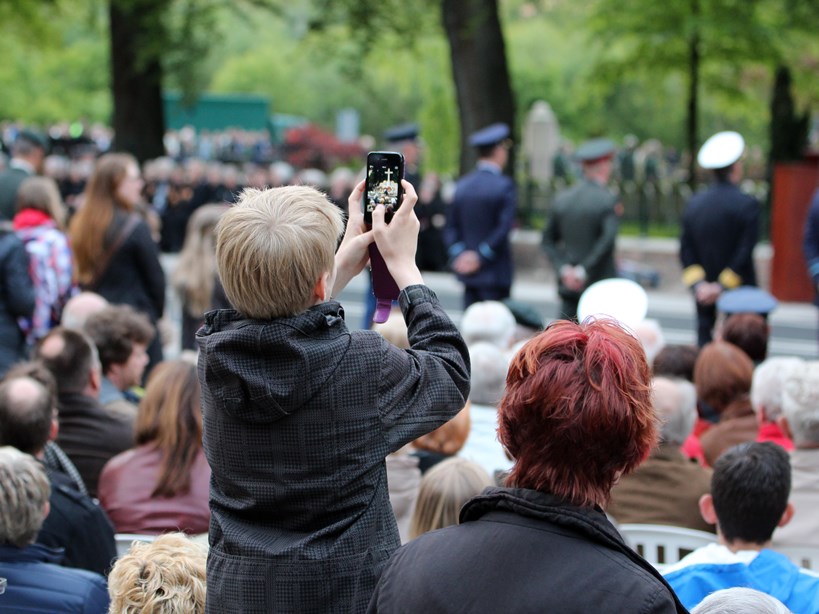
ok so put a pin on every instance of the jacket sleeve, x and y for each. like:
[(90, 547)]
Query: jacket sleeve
[(605, 242), (550, 242), (453, 235), (693, 272), (153, 276), (17, 285), (489, 247), (810, 239), (745, 249), (423, 387)]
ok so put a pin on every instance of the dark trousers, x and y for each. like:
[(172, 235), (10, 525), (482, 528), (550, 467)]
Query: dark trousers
[(706, 318), (491, 293)]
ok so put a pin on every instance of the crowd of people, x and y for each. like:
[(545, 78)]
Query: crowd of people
[(424, 464)]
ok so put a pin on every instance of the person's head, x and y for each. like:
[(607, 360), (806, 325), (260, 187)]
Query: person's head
[(749, 332), (493, 143), (740, 600), (489, 321), (30, 147), (80, 307), (72, 359), (444, 489), (24, 493), (275, 250), (676, 361), (27, 413), (675, 401), (577, 411), (722, 375), (41, 194), (749, 493), (651, 336), (165, 576), (767, 386), (170, 417), (122, 336), (489, 365), (597, 158), (800, 405)]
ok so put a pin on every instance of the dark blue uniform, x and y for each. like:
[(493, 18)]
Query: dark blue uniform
[(480, 218), (719, 232)]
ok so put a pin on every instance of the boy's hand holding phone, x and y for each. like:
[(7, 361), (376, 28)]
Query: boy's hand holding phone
[(398, 240), (352, 254)]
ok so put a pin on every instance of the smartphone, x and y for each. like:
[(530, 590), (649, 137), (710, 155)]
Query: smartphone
[(385, 170)]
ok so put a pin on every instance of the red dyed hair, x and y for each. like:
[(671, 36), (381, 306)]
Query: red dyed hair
[(577, 411)]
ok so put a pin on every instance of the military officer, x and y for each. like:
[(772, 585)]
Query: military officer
[(719, 231), (580, 236), (480, 219)]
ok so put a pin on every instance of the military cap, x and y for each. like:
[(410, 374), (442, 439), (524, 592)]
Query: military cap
[(596, 149), (33, 138), (490, 135), (746, 299), (525, 314), (721, 150), (404, 132)]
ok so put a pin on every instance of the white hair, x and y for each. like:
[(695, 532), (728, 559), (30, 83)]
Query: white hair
[(489, 367), (489, 321), (740, 600), (766, 388), (800, 404), (675, 402), (651, 337)]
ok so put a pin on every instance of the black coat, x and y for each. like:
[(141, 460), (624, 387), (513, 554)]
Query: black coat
[(519, 550), (16, 298)]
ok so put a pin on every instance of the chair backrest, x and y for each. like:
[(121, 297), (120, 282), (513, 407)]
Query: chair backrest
[(124, 541), (806, 556), (663, 545)]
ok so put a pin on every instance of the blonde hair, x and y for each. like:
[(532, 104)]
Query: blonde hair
[(274, 246), (166, 576), (193, 278), (42, 194), (444, 490), (89, 225), (24, 493)]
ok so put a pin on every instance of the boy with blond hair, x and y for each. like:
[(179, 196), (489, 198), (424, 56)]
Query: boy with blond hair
[(300, 412)]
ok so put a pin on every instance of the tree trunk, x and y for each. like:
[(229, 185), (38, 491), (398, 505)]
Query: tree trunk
[(479, 70), (692, 127), (137, 33), (789, 131)]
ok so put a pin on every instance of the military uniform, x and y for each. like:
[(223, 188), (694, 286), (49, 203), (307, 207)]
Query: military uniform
[(582, 229), (480, 219), (719, 231)]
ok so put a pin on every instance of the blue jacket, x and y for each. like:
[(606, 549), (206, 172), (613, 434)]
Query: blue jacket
[(769, 572), (480, 218), (810, 242), (35, 584)]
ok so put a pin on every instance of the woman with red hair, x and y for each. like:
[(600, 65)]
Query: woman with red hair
[(576, 415)]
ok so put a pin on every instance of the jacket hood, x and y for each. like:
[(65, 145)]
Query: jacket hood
[(263, 370)]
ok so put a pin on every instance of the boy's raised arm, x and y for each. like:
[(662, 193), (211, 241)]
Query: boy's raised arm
[(352, 254)]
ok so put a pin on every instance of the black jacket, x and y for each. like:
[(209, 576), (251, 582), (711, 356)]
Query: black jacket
[(79, 526), (519, 550), (16, 298)]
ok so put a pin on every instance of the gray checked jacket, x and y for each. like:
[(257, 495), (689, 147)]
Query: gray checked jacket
[(299, 414)]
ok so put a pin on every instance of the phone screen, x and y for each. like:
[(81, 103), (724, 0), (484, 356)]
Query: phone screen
[(385, 169)]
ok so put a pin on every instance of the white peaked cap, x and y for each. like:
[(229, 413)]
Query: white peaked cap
[(721, 150), (621, 299)]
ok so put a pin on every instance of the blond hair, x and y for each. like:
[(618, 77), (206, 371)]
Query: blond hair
[(166, 576), (274, 246), (42, 194), (24, 493), (444, 490), (194, 277)]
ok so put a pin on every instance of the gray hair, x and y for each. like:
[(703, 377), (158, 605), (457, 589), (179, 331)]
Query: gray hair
[(675, 402), (768, 382), (24, 493), (740, 600), (800, 404), (489, 367), (651, 336), (489, 321)]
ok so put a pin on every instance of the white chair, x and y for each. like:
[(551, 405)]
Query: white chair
[(806, 556), (124, 541), (663, 545)]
